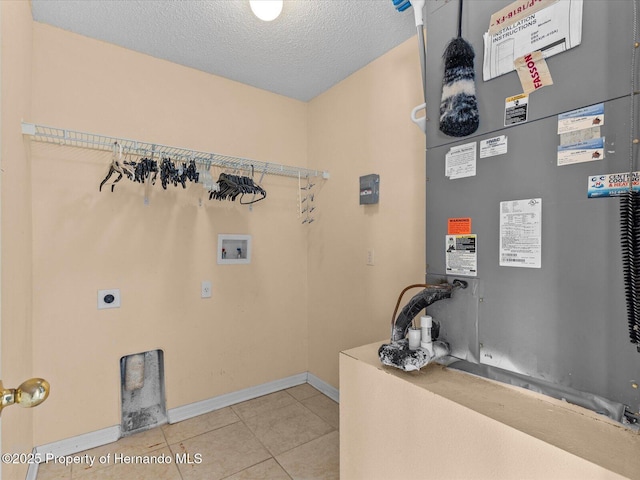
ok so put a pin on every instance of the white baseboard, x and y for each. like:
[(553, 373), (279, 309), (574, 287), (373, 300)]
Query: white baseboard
[(209, 405), (331, 392), (80, 443), (72, 445)]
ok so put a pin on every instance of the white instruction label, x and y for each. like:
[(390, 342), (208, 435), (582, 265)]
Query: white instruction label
[(491, 147), (460, 161), (462, 255), (521, 233)]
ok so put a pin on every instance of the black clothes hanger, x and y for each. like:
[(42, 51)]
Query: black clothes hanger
[(169, 173), (111, 171), (116, 167), (229, 187), (143, 169), (232, 186)]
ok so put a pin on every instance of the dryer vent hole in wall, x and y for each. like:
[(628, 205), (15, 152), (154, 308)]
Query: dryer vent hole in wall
[(142, 391)]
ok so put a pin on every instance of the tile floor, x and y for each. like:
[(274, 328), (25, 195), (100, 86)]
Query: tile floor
[(290, 434)]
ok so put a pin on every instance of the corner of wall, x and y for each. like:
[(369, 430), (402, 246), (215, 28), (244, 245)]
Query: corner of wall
[(359, 127), (16, 259)]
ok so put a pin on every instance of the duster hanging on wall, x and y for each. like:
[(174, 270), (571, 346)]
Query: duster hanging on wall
[(459, 107)]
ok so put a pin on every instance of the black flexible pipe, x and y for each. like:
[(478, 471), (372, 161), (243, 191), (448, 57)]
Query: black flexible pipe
[(431, 294)]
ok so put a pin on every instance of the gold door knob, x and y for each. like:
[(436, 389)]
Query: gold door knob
[(30, 393)]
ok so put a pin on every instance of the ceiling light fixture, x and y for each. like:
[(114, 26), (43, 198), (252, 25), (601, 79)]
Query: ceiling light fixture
[(266, 10)]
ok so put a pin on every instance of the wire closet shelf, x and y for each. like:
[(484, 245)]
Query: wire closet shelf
[(42, 133)]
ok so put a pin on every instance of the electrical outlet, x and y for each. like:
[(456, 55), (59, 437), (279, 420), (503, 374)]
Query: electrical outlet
[(205, 289), (109, 298), (370, 257)]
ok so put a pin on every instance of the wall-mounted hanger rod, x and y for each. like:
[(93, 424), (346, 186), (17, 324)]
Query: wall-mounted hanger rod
[(94, 141)]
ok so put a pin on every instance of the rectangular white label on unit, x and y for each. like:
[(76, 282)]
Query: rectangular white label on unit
[(521, 233), (460, 161), (461, 255), (490, 147)]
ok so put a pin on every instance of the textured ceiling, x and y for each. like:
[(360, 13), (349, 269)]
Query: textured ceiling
[(313, 45)]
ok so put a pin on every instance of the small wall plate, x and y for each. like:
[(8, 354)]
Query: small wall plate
[(109, 298)]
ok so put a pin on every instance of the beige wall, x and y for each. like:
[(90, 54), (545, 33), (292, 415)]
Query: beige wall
[(254, 328), (307, 294), (17, 365), (358, 127)]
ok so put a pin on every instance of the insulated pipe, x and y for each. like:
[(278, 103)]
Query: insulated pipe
[(422, 300), (398, 355)]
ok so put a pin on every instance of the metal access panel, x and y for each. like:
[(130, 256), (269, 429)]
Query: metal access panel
[(142, 392), (595, 71), (369, 189), (565, 322)]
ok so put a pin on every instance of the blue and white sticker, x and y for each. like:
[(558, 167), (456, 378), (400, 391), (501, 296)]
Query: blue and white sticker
[(611, 184), (581, 118), (587, 151)]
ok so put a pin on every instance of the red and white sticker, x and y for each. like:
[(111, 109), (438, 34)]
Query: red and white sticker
[(533, 71)]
